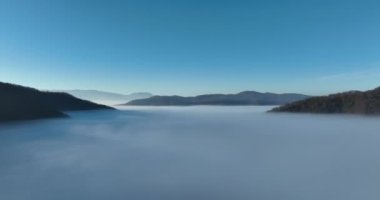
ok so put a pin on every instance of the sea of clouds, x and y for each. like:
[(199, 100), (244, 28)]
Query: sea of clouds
[(191, 153)]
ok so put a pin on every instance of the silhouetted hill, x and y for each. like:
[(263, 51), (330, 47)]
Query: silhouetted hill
[(353, 102), (243, 98), (23, 103)]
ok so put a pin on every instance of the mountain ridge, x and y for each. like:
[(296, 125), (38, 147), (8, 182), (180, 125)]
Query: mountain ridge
[(241, 98), (25, 103), (350, 102)]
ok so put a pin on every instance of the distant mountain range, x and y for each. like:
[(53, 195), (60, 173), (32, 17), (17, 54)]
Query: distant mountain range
[(107, 98), (353, 102), (243, 98), (24, 103)]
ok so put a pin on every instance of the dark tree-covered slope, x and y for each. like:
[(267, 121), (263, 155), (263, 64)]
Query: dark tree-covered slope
[(23, 103), (354, 102)]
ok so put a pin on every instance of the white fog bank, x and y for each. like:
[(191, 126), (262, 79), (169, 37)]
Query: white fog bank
[(191, 153)]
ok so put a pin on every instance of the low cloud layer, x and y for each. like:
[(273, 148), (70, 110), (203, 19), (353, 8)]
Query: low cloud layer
[(189, 153)]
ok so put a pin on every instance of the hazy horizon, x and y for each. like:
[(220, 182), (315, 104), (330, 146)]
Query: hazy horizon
[(188, 95)]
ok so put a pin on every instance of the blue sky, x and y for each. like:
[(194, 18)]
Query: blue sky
[(191, 47)]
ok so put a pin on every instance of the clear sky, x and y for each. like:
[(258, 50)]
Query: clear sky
[(191, 47)]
